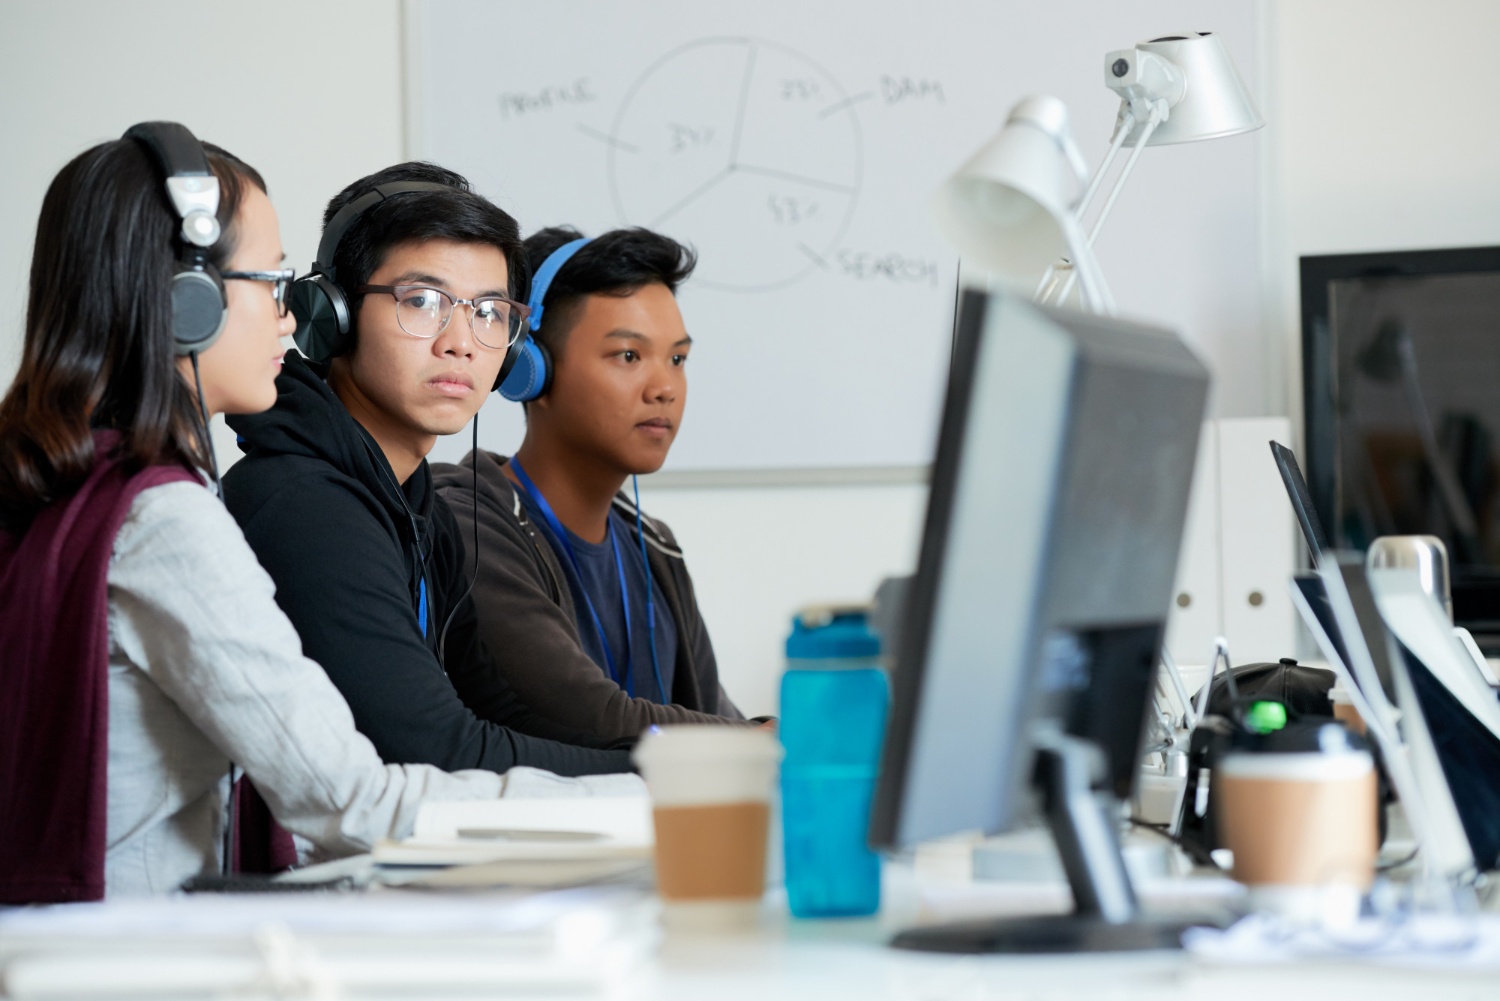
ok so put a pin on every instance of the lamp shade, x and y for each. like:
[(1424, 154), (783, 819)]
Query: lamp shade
[(1214, 102), (1010, 207)]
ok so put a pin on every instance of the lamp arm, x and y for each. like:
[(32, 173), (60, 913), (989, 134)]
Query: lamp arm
[(1157, 116), (1095, 293), (1052, 279), (1126, 123), (1080, 269)]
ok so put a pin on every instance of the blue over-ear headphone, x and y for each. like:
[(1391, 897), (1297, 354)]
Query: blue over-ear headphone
[(531, 374)]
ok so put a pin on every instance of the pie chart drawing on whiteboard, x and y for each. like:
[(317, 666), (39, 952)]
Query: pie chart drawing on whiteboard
[(745, 149)]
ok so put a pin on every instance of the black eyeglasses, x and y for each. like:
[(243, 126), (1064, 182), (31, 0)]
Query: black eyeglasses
[(424, 311), (281, 279)]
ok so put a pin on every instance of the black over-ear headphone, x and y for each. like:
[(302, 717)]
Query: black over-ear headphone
[(198, 304), (321, 309), (320, 306)]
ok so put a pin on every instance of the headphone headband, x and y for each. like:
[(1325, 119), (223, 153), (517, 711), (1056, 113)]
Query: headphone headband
[(542, 279), (528, 369), (319, 304), (199, 307), (192, 187), (333, 233)]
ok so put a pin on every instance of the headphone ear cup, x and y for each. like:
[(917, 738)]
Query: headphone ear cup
[(199, 309), (530, 374), (322, 315), (508, 365)]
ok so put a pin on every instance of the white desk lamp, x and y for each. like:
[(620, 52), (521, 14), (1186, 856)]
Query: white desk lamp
[(1017, 207), (1011, 207)]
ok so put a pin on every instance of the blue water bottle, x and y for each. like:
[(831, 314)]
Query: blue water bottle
[(834, 698)]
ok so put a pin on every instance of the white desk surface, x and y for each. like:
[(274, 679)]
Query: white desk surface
[(785, 959), (790, 959)]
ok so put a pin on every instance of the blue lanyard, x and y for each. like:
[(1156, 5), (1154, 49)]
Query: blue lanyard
[(561, 534)]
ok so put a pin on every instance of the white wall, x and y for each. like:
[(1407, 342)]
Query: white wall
[(758, 554), (308, 93), (1381, 136)]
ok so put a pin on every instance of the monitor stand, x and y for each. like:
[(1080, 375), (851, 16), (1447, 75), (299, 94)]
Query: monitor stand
[(1106, 916)]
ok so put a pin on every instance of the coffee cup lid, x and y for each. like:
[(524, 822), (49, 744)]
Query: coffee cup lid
[(1306, 767), (1303, 737), (704, 742)]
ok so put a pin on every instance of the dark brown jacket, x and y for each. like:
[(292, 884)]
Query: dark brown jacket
[(526, 616)]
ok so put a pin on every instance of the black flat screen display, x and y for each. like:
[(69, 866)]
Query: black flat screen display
[(1401, 382)]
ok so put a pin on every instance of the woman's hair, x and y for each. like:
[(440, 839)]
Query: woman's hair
[(98, 350)]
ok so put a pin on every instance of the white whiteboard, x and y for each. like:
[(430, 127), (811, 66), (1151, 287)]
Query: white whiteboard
[(795, 145)]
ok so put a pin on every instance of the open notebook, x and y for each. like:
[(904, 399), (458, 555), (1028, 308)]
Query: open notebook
[(473, 831)]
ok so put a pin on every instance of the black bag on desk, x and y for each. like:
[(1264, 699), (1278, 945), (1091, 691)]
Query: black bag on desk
[(1303, 690), (1304, 693), (1198, 829)]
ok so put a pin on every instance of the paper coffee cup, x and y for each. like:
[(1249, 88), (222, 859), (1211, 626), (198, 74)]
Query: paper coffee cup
[(711, 799), (1302, 827)]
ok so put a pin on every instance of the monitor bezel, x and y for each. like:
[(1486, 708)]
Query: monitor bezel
[(1319, 421), (922, 596)]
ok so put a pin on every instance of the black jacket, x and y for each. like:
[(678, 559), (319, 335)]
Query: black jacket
[(526, 609), (349, 549)]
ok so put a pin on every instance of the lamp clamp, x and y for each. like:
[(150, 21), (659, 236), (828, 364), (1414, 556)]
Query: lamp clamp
[(1144, 80)]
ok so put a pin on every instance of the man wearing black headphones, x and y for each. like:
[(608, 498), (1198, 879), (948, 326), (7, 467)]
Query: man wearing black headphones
[(592, 598), (408, 320)]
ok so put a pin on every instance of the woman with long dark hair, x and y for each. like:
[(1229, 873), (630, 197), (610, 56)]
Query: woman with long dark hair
[(141, 648)]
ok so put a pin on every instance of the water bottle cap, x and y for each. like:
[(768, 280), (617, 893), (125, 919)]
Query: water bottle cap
[(831, 632)]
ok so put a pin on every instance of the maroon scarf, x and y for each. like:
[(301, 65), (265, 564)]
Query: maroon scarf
[(54, 689), (54, 684)]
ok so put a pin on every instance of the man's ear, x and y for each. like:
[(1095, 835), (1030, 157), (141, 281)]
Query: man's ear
[(541, 406)]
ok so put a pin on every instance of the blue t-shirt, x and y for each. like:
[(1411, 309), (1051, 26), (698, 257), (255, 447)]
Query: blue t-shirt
[(598, 578)]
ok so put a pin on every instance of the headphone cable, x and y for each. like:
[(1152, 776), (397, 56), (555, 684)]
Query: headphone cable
[(231, 817), (474, 462), (208, 437), (640, 535)]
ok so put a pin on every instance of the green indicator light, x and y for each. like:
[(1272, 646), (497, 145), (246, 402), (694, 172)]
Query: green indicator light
[(1266, 717)]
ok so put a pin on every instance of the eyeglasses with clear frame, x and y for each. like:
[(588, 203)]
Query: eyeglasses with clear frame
[(424, 311), (281, 280)]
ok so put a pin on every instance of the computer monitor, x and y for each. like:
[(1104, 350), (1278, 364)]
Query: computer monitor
[(1400, 359), (1036, 616)]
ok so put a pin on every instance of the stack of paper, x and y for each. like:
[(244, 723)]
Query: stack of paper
[(1421, 940), (568, 943)]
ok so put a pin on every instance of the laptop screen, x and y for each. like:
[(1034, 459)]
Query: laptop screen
[(1301, 498)]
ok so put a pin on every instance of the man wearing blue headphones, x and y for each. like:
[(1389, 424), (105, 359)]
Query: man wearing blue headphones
[(407, 321), (590, 598)]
